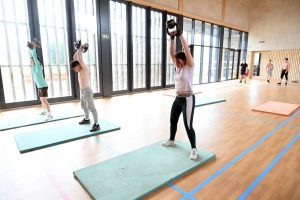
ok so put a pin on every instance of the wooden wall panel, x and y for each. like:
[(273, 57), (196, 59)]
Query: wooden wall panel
[(294, 58)]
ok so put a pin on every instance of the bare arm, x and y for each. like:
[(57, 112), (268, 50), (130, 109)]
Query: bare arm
[(189, 57), (75, 56), (79, 58), (172, 49)]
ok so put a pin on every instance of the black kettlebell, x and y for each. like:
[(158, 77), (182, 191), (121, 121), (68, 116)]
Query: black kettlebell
[(77, 44), (170, 25)]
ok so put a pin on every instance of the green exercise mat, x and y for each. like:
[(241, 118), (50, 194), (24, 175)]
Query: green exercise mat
[(202, 101), (30, 119), (138, 173), (58, 134)]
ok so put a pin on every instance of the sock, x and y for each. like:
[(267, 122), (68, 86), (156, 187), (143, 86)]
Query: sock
[(49, 113), (86, 119)]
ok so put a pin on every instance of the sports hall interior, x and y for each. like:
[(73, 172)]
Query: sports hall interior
[(256, 153)]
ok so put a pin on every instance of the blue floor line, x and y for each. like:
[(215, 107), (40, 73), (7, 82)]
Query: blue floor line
[(180, 190), (267, 169), (205, 182)]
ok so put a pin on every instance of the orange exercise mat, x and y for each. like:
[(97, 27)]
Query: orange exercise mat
[(278, 108)]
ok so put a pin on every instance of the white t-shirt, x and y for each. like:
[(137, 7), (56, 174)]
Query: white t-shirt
[(184, 79)]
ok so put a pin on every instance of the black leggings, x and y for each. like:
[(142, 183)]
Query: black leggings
[(186, 105), (284, 74)]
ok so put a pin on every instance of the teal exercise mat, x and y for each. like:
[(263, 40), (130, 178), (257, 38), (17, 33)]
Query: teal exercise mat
[(54, 135), (30, 119), (138, 173), (202, 101)]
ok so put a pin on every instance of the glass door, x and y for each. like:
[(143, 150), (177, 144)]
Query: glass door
[(235, 63)]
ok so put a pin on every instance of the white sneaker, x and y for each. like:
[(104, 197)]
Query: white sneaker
[(168, 143), (49, 117), (193, 154), (43, 112)]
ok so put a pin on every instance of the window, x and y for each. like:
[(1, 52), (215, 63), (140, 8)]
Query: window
[(214, 65), (226, 38), (187, 30), (207, 34), (216, 36), (197, 61), (139, 47), (198, 33), (52, 18), (14, 55), (206, 64), (235, 39), (85, 11), (118, 31), (156, 46), (225, 64)]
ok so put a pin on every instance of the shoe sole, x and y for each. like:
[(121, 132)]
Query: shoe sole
[(169, 145)]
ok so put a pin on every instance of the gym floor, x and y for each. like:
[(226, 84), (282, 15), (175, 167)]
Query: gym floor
[(245, 143)]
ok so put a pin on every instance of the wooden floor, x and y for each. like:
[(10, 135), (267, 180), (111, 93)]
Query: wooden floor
[(227, 129)]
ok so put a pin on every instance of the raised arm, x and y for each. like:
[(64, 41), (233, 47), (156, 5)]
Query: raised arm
[(75, 56), (188, 55), (34, 55), (172, 47), (78, 55)]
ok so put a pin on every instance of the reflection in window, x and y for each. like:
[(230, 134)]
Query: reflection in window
[(187, 29), (170, 65), (156, 41), (14, 55), (118, 45), (53, 27), (198, 33), (214, 65), (85, 11), (207, 34), (139, 47), (235, 39)]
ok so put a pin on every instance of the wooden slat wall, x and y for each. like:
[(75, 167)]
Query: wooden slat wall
[(294, 58)]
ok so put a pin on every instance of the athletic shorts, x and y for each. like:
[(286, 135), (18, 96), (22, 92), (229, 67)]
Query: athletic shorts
[(269, 72), (43, 92)]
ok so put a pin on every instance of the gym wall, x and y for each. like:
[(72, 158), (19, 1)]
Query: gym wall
[(275, 22), (229, 13)]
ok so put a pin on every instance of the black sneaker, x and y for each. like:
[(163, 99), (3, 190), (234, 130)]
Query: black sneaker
[(95, 128), (278, 83), (240, 81), (84, 121), (285, 83)]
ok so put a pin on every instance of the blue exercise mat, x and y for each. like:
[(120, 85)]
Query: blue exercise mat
[(59, 134), (202, 101), (30, 119), (138, 173)]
